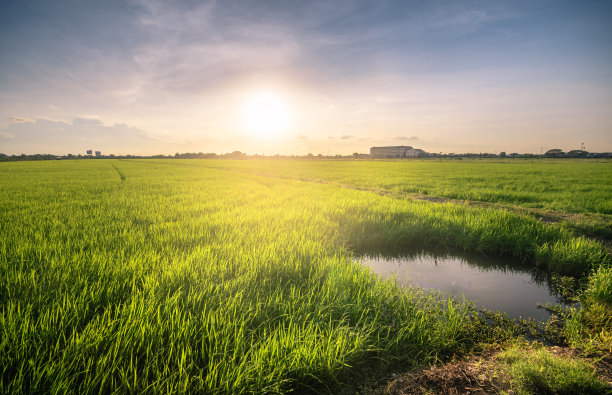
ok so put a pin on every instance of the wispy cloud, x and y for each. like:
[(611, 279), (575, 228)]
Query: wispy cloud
[(87, 121), (7, 135), (462, 18), (198, 49), (58, 136), (407, 138), (20, 120)]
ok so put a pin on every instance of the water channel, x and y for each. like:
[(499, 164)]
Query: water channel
[(491, 283)]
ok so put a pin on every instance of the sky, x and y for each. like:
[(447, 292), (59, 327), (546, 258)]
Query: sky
[(298, 77)]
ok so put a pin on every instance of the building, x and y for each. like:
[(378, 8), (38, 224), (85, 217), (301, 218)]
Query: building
[(98, 153), (89, 152), (399, 151), (415, 153)]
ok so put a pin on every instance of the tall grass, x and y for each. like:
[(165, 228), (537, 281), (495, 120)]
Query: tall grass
[(576, 186), (188, 282), (540, 372), (147, 276)]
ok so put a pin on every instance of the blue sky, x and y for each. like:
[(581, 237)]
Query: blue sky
[(150, 77)]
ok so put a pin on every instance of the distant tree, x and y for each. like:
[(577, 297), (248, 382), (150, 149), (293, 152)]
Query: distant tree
[(238, 155), (577, 153), (554, 153), (502, 154)]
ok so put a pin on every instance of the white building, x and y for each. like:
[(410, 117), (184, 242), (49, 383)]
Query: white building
[(398, 151)]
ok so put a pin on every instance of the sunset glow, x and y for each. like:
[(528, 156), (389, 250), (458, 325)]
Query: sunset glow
[(158, 77), (266, 114)]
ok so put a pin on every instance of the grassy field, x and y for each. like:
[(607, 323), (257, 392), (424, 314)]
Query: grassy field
[(241, 276), (574, 186), (573, 193)]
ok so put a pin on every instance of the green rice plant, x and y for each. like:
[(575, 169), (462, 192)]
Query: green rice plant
[(540, 372), (573, 256), (560, 185), (168, 281), (599, 288), (203, 276), (590, 327)]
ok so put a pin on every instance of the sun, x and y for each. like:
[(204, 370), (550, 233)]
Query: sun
[(266, 114)]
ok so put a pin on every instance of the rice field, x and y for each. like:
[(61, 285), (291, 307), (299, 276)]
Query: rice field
[(174, 276), (571, 186)]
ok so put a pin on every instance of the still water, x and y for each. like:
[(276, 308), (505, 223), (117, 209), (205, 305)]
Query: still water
[(490, 283)]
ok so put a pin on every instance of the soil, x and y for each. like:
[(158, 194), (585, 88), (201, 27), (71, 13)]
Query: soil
[(478, 374)]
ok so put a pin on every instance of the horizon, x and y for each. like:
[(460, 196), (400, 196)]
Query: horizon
[(181, 155), (289, 78)]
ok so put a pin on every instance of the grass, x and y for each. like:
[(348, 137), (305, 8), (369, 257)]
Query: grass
[(573, 194), (202, 276), (590, 328), (541, 372), (600, 286), (561, 185)]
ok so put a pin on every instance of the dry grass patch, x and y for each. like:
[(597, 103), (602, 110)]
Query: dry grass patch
[(541, 370)]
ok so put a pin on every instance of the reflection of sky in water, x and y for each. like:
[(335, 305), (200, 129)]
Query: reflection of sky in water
[(494, 287)]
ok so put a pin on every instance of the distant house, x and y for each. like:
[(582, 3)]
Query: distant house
[(398, 151), (98, 153), (89, 152)]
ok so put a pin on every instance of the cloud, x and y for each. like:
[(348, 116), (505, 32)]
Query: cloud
[(411, 138), (20, 120), (44, 135), (467, 20), (346, 137), (193, 49), (468, 17), (7, 135), (302, 137), (81, 121), (51, 123)]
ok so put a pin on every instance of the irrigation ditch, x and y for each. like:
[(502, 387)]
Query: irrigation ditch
[(491, 283)]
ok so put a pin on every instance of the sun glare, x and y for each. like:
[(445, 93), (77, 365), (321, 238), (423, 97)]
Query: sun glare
[(266, 114)]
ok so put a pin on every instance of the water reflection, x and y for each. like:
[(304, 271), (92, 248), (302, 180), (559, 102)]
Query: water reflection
[(493, 283)]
